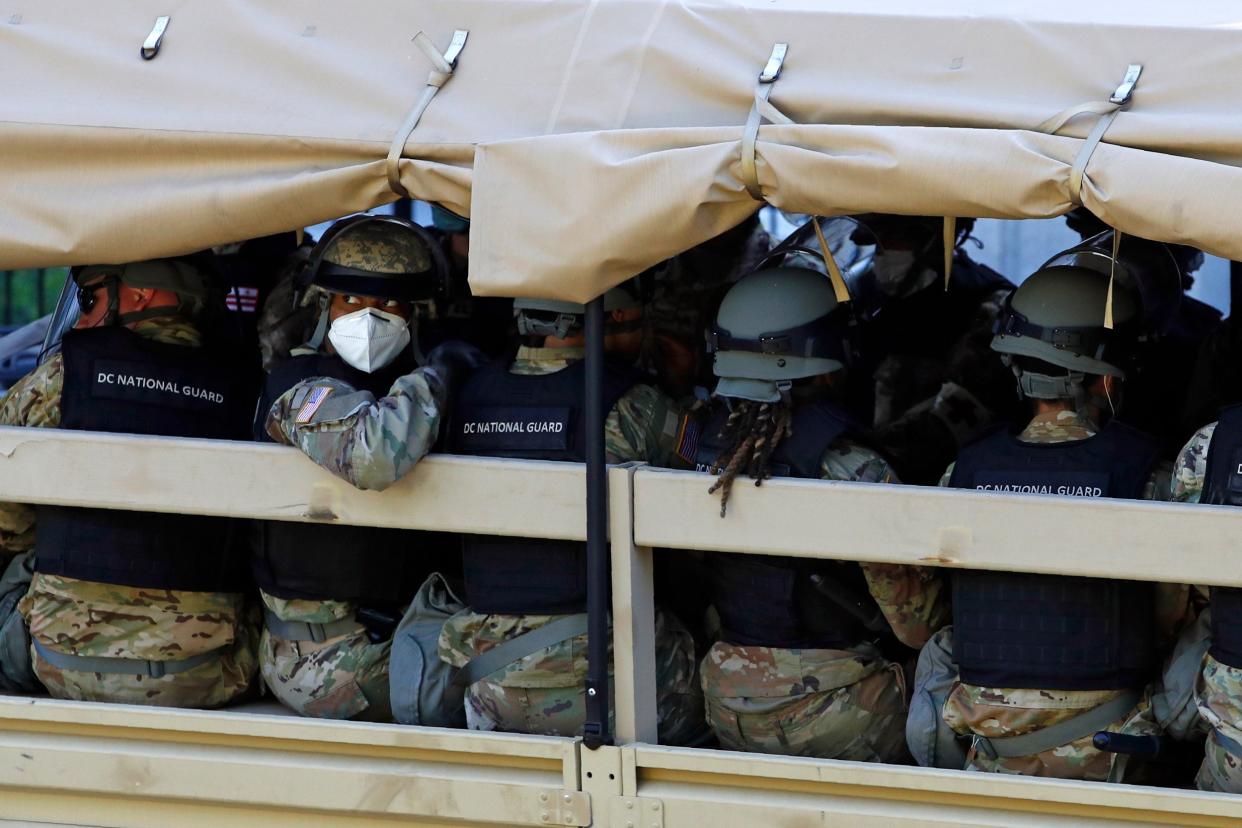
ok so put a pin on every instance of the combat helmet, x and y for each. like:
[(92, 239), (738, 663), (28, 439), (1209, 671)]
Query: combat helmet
[(774, 326), (197, 294), (557, 318), (1056, 318), (385, 257)]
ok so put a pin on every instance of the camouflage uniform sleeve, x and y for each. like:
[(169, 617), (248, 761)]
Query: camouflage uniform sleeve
[(914, 599), (33, 401), (645, 425), (1190, 468), (368, 442)]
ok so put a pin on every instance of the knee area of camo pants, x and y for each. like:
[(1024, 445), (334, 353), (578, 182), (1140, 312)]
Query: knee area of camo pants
[(863, 722)]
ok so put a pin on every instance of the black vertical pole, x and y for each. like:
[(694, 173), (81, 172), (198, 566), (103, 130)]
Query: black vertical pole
[(599, 571), (1235, 289)]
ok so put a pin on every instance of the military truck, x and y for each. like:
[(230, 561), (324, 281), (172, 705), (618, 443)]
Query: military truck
[(586, 142)]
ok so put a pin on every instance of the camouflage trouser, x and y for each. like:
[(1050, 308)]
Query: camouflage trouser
[(995, 713), (1219, 694), (532, 697), (221, 681), (830, 704), (345, 677)]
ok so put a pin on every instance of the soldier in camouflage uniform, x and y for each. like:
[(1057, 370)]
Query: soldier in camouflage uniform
[(126, 606), (685, 291), (354, 401), (529, 406), (800, 669), (1026, 698), (1206, 472)]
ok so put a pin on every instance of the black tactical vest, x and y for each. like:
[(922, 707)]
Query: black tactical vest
[(118, 381), (1223, 485), (536, 417), (1034, 631), (372, 566), (769, 601)]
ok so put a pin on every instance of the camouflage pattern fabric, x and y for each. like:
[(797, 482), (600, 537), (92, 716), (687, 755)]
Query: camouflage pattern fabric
[(345, 677), (284, 322), (832, 704), (644, 423), (545, 693), (369, 443), (106, 621), (838, 704), (95, 619), (1219, 696), (33, 401), (1190, 468), (1218, 691), (378, 247), (998, 712)]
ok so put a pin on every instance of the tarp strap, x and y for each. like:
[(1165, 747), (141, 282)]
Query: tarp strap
[(442, 70), (834, 272), (762, 109), (950, 245), (1105, 112), (1112, 275)]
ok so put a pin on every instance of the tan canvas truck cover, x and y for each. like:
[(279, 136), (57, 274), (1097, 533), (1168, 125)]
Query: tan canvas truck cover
[(609, 133)]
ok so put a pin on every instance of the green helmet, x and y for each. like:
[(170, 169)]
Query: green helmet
[(1057, 315), (197, 293), (775, 326), (378, 256), (556, 318)]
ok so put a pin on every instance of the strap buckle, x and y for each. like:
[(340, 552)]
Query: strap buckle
[(1121, 96), (983, 745), (776, 62), (455, 46)]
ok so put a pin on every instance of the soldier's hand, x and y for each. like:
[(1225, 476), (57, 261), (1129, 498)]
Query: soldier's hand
[(451, 362)]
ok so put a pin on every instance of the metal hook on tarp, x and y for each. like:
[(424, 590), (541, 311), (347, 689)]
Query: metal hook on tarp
[(442, 69), (760, 110), (1105, 112), (151, 46)]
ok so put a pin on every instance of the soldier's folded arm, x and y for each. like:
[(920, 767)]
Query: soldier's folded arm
[(33, 402), (370, 443), (914, 599)]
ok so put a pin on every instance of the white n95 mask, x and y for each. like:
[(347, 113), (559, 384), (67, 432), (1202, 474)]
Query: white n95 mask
[(369, 339)]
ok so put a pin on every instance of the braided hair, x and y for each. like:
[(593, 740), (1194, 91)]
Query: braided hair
[(751, 434)]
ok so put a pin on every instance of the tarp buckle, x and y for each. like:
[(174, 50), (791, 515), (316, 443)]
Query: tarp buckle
[(1122, 95), (776, 62), (455, 46), (151, 46)]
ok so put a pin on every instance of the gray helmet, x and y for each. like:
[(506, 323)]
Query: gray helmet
[(197, 294), (1057, 315), (557, 318), (775, 326)]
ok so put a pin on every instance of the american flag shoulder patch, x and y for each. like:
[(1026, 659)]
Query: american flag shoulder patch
[(313, 400), (688, 438)]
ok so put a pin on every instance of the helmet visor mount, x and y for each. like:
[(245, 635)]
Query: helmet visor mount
[(1086, 350), (818, 339)]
